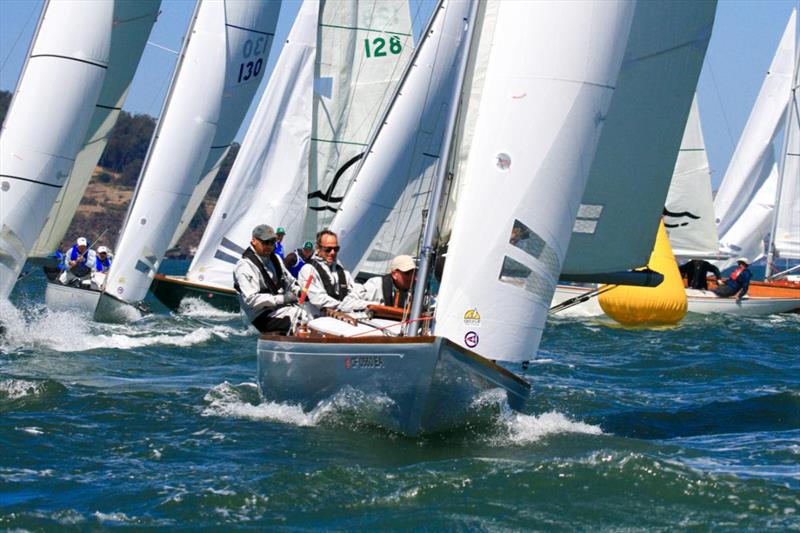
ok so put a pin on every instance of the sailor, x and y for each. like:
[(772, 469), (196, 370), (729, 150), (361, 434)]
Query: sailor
[(102, 260), (696, 271), (294, 261), (77, 263), (267, 291), (280, 233), (328, 285), (392, 289), (738, 282)]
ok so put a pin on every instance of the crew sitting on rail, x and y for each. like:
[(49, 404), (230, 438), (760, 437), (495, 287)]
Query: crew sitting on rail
[(294, 261), (392, 289), (329, 287), (738, 282), (267, 291), (78, 263), (102, 260)]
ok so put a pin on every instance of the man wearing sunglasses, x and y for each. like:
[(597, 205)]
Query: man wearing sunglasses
[(330, 286), (267, 291)]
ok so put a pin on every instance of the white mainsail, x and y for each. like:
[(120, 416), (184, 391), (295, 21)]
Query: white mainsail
[(133, 20), (181, 144), (689, 210), (48, 120), (249, 28), (537, 127), (390, 189), (750, 165), (640, 140), (313, 122)]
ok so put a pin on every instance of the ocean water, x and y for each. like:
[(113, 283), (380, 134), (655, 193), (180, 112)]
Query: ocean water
[(158, 424)]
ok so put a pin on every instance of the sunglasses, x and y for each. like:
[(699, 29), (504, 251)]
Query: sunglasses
[(329, 249), (270, 242)]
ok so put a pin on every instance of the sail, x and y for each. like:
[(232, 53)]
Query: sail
[(133, 20), (689, 210), (787, 231), (537, 127), (269, 182), (48, 120), (249, 32), (389, 192), (640, 141), (749, 167), (180, 148)]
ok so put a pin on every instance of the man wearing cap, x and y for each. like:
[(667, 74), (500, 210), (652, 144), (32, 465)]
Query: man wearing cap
[(77, 263), (280, 233), (294, 261), (102, 260), (738, 282), (328, 285), (267, 291), (392, 289)]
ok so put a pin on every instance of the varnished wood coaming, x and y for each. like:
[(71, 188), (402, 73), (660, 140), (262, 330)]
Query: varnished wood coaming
[(199, 286)]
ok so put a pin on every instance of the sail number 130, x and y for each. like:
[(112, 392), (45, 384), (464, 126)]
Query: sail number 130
[(377, 47)]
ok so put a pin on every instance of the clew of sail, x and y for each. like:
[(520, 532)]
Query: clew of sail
[(249, 33), (753, 159), (48, 120), (313, 121), (689, 210), (178, 151), (133, 20), (538, 122)]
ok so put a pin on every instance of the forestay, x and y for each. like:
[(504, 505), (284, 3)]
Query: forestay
[(533, 142), (689, 210), (249, 32), (752, 161), (48, 120), (133, 20), (390, 190), (180, 147), (640, 141), (333, 79)]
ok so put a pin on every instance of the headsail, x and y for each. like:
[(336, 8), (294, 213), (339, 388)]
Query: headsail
[(48, 120), (537, 127), (181, 144), (689, 210), (133, 20), (310, 102), (640, 141)]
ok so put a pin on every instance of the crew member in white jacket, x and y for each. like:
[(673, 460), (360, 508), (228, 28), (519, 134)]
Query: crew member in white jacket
[(267, 291)]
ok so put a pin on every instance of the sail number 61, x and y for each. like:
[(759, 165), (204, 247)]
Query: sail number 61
[(376, 48)]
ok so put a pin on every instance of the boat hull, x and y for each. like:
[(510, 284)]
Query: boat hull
[(60, 297), (419, 384), (706, 303), (585, 309), (172, 290), (116, 311)]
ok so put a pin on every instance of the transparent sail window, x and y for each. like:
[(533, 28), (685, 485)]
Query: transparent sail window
[(516, 274), (534, 245)]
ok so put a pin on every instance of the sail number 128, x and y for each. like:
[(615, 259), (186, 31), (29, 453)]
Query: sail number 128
[(377, 47)]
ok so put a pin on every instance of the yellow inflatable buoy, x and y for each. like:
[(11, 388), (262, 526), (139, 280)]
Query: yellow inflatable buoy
[(665, 304)]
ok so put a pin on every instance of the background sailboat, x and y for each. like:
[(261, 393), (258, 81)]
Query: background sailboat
[(47, 122)]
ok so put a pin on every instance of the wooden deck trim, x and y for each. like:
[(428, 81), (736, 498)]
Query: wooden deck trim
[(207, 288), (348, 340)]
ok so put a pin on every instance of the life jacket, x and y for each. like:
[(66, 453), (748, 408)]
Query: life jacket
[(392, 296), (279, 249), (272, 287), (102, 266), (73, 253), (735, 273), (340, 290), (295, 270), (80, 270)]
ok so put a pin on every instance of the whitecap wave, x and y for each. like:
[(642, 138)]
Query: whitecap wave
[(15, 389), (521, 429), (195, 307)]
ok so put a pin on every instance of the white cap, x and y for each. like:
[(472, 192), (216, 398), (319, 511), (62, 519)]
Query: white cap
[(403, 263), (102, 250), (744, 260), (82, 241)]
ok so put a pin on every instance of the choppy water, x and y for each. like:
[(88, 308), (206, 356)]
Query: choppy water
[(159, 424)]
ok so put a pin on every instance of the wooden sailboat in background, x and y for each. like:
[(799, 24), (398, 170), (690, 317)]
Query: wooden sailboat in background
[(65, 69), (133, 20), (217, 74), (326, 94)]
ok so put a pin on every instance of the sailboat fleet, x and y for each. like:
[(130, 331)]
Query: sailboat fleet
[(502, 150)]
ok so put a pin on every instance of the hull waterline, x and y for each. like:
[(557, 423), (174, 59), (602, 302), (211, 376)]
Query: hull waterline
[(172, 290)]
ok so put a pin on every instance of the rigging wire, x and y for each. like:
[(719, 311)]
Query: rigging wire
[(19, 36)]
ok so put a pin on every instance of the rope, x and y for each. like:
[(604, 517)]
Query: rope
[(420, 319)]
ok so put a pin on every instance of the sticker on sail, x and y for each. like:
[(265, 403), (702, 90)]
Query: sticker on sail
[(120, 290), (471, 339), (472, 318)]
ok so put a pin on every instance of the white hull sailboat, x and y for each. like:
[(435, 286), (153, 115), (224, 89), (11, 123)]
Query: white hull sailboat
[(81, 300)]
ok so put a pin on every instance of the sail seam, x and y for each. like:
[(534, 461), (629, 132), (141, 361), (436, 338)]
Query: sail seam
[(357, 28), (112, 108), (337, 142), (72, 59), (250, 29), (31, 181)]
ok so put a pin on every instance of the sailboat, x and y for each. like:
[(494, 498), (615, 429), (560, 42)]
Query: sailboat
[(335, 75), (220, 65), (519, 137), (47, 122)]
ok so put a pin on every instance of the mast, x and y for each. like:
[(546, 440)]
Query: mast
[(431, 222), (790, 115)]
